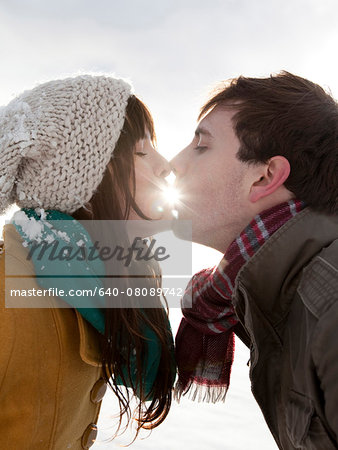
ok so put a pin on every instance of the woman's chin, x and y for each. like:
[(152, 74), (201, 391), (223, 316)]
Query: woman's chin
[(167, 214), (161, 213)]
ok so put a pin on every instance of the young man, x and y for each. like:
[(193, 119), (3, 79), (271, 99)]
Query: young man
[(259, 182)]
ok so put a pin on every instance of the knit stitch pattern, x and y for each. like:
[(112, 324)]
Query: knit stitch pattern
[(57, 139)]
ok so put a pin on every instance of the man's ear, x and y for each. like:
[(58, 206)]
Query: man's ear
[(274, 174)]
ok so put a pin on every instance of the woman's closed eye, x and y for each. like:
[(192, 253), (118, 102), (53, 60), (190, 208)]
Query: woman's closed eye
[(140, 153)]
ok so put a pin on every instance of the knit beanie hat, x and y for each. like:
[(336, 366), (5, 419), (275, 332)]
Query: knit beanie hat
[(57, 139)]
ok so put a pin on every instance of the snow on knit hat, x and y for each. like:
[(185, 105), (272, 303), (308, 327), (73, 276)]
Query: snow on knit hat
[(57, 139)]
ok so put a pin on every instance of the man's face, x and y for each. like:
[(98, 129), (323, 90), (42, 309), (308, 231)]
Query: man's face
[(213, 182)]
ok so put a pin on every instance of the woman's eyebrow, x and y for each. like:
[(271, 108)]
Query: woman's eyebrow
[(201, 130)]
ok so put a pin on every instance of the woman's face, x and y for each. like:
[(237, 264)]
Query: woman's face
[(150, 170)]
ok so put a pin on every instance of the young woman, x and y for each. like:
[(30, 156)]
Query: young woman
[(76, 149)]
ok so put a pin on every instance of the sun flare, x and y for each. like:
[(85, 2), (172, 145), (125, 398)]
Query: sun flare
[(171, 195)]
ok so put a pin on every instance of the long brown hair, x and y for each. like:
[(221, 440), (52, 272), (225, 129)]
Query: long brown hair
[(113, 200)]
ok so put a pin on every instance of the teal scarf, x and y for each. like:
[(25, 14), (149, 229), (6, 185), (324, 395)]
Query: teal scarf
[(52, 275)]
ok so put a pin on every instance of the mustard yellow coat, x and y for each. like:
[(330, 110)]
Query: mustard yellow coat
[(50, 375)]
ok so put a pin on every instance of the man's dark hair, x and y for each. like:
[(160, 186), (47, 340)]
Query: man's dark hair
[(289, 116)]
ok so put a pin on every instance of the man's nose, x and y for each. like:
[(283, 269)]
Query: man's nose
[(179, 163)]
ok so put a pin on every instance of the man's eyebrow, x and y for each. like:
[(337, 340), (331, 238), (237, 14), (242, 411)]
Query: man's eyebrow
[(201, 130)]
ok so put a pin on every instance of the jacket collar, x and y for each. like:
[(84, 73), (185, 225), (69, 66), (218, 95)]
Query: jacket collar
[(270, 277)]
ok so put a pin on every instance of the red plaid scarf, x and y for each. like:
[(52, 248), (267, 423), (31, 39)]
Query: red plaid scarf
[(205, 338)]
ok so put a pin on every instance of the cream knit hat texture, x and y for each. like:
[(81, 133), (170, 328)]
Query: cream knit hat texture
[(57, 139)]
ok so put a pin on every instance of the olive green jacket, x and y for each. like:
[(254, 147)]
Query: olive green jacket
[(286, 299), (50, 374)]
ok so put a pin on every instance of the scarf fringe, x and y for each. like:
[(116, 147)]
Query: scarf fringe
[(200, 392)]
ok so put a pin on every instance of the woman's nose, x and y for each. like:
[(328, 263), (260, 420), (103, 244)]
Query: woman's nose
[(162, 168)]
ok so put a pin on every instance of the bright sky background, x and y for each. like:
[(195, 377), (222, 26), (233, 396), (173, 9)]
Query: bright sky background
[(174, 52)]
